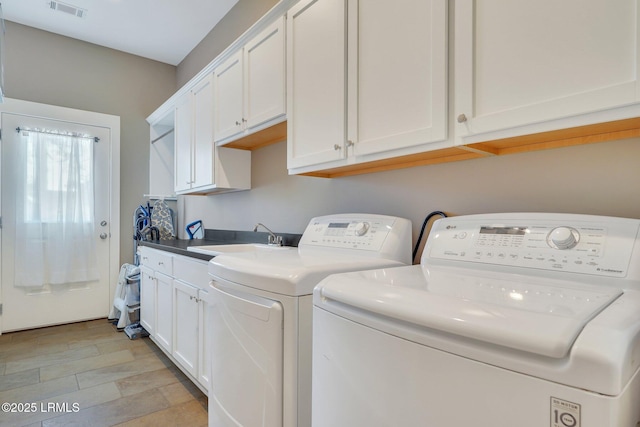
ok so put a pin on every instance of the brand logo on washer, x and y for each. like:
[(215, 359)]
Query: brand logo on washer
[(451, 227), (610, 270)]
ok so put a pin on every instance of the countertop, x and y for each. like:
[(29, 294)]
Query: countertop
[(216, 237)]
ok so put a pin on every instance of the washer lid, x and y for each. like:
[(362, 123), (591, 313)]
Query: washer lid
[(531, 314), (289, 272)]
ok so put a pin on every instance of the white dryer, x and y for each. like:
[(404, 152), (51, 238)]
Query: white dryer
[(528, 320), (262, 315)]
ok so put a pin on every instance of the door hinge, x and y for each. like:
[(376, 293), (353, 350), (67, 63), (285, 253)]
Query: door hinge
[(0, 223), (0, 309)]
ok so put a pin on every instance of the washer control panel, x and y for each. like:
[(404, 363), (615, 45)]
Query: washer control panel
[(573, 243)]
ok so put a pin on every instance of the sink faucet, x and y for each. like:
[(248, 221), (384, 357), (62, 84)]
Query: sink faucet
[(273, 239)]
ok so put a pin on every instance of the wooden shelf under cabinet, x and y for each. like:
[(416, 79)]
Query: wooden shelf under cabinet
[(599, 132), (445, 155), (262, 138)]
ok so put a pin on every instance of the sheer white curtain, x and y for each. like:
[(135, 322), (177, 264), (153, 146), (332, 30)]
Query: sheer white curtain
[(55, 238)]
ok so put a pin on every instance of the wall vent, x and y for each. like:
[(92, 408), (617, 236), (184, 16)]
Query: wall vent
[(68, 9)]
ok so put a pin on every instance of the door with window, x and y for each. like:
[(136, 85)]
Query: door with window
[(55, 222)]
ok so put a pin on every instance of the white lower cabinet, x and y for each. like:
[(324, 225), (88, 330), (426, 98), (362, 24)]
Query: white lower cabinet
[(185, 350), (204, 353), (147, 300), (164, 311), (174, 310)]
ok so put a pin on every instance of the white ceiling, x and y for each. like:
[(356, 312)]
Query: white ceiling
[(163, 30)]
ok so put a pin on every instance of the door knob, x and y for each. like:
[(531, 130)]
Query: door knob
[(103, 236)]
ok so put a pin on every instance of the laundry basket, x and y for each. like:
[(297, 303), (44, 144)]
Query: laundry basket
[(126, 302)]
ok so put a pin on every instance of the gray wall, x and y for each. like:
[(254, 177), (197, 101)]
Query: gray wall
[(601, 179), (242, 16), (50, 69)]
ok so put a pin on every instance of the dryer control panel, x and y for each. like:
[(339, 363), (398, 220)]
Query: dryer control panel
[(378, 236), (561, 242)]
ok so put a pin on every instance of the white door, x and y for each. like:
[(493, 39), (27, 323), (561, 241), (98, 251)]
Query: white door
[(56, 301)]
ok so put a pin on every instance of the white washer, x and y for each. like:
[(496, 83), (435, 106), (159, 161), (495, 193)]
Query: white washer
[(262, 307), (527, 320)]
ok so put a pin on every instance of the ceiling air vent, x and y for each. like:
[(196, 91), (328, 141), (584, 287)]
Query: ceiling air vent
[(68, 9)]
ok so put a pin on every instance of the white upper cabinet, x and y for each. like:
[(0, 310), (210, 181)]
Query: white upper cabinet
[(316, 82), (367, 80), (228, 98), (200, 166), (397, 84), (194, 155), (249, 86), (182, 144), (264, 77), (203, 149), (524, 67)]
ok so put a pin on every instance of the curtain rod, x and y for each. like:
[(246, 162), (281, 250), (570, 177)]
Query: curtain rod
[(153, 141), (73, 135)]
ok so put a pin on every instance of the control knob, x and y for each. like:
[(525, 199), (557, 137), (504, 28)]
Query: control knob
[(563, 238), (362, 228)]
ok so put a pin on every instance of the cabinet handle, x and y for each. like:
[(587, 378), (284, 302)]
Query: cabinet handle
[(237, 123), (337, 147), (244, 120), (350, 143), (462, 118)]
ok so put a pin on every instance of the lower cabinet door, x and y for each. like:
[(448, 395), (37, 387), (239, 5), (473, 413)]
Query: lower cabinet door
[(185, 343), (147, 300), (164, 311)]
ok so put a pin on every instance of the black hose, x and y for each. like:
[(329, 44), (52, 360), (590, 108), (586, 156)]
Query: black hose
[(424, 225)]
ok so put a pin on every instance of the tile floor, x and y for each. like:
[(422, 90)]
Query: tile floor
[(89, 374)]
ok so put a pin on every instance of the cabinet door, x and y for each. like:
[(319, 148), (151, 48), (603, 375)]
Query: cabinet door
[(316, 77), (204, 356), (203, 158), (228, 97), (147, 300), (520, 62), (186, 306), (164, 311), (264, 62), (183, 136), (397, 80)]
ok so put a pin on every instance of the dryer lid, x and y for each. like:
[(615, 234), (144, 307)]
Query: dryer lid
[(530, 314), (289, 272)]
